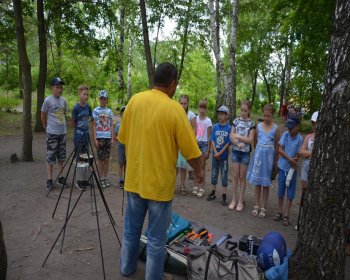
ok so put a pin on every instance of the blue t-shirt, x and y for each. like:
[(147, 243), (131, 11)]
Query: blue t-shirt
[(81, 116), (291, 147), (103, 118), (116, 131), (220, 135)]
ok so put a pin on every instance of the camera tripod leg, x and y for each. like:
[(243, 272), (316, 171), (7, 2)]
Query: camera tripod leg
[(60, 173), (63, 227), (106, 205), (99, 233)]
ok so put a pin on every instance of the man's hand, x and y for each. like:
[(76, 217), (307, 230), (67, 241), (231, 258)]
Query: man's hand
[(96, 143), (199, 176)]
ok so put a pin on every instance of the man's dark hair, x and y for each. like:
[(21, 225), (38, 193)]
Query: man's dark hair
[(165, 74)]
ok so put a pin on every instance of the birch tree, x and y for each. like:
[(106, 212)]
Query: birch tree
[(320, 248)]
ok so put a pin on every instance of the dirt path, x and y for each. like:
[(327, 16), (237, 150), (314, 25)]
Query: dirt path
[(29, 231)]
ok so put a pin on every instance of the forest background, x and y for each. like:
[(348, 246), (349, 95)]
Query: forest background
[(265, 51)]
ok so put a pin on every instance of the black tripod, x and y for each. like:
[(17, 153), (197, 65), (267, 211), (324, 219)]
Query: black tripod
[(93, 180)]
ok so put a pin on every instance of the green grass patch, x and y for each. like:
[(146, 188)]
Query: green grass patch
[(11, 123), (8, 102)]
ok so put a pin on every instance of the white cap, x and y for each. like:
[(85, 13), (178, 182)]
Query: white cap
[(314, 116)]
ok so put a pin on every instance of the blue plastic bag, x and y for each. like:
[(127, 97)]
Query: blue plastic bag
[(178, 224), (279, 272)]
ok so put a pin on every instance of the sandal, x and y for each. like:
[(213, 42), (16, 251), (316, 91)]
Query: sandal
[(200, 192), (107, 183), (103, 183), (262, 213), (285, 221), (277, 217), (183, 190), (240, 207), (195, 191), (255, 211), (232, 206)]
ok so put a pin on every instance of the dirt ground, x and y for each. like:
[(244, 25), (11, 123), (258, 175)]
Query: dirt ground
[(29, 230)]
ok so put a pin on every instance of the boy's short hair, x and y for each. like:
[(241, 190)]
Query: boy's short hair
[(83, 87), (203, 103)]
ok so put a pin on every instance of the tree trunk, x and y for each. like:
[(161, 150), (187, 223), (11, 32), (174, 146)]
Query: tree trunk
[(156, 42), (150, 69), (27, 154), (320, 248), (230, 93), (184, 38), (254, 81), (3, 256), (284, 80), (42, 66), (216, 49), (268, 89), (128, 94), (120, 55)]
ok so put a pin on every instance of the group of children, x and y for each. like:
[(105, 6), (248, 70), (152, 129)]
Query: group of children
[(53, 114), (273, 154)]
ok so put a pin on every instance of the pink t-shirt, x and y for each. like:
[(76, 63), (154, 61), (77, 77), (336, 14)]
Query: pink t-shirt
[(202, 129)]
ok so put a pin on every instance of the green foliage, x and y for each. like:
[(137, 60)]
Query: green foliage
[(8, 100)]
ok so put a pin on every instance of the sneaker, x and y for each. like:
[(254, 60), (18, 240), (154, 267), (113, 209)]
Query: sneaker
[(103, 183), (224, 201), (211, 196), (80, 185), (49, 184), (190, 175), (62, 181), (121, 184), (107, 183)]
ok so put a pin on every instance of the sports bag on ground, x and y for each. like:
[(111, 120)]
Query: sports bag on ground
[(222, 263)]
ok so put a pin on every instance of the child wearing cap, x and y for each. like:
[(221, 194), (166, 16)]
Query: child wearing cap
[(289, 146), (242, 137), (121, 152), (203, 132), (103, 138), (220, 142), (53, 113)]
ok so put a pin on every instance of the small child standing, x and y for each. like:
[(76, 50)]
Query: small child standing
[(53, 117), (261, 167), (220, 142), (121, 152), (103, 139), (289, 146), (242, 137), (81, 116), (203, 132)]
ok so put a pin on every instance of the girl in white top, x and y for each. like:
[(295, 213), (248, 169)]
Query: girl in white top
[(203, 132), (182, 164)]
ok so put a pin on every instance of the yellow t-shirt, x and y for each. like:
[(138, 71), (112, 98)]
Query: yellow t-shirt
[(154, 127)]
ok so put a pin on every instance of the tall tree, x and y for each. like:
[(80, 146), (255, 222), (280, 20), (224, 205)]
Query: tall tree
[(150, 69), (42, 64), (320, 248), (27, 154), (230, 93), (120, 55)]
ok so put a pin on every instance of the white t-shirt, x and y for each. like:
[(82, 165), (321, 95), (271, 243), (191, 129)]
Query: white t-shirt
[(202, 129), (190, 115)]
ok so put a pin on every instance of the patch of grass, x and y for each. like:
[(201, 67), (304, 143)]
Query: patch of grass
[(11, 123), (8, 102)]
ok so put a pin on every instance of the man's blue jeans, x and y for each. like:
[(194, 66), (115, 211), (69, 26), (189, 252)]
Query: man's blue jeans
[(159, 218)]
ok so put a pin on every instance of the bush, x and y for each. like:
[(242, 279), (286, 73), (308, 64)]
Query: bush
[(8, 102)]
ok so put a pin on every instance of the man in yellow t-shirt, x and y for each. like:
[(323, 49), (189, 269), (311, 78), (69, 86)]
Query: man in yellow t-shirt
[(154, 127)]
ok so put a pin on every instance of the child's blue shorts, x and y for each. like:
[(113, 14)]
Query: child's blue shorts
[(282, 175)]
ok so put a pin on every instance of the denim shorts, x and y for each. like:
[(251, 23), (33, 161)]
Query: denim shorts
[(305, 167), (121, 154), (55, 147), (282, 176), (240, 157), (203, 146), (219, 165)]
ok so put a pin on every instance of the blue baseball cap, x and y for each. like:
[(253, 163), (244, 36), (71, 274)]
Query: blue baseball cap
[(223, 109), (292, 122), (56, 81), (103, 94)]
